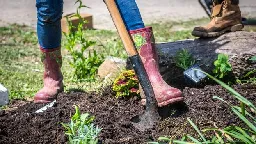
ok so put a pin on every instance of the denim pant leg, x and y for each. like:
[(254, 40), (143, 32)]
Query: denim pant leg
[(130, 14), (49, 14)]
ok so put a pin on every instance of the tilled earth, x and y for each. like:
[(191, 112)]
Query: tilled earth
[(20, 125)]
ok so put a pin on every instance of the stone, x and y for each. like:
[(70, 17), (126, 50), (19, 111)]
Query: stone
[(111, 68), (4, 96)]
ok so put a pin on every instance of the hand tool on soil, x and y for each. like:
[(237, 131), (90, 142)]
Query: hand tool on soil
[(46, 107), (150, 116)]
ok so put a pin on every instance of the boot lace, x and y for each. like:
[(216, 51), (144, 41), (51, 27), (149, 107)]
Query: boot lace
[(225, 3)]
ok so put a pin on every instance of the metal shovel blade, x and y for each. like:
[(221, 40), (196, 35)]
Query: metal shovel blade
[(145, 121), (151, 116)]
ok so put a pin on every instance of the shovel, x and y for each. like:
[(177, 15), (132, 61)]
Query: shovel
[(150, 116)]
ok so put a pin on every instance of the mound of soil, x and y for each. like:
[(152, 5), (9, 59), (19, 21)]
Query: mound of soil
[(20, 124)]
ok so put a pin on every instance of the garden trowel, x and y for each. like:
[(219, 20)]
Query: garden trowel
[(44, 108), (150, 116)]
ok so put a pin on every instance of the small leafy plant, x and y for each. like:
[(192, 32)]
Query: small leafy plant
[(253, 58), (127, 84), (85, 67), (222, 66), (81, 130), (184, 59)]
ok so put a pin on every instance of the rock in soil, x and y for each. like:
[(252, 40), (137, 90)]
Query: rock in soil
[(4, 96), (113, 115), (111, 68)]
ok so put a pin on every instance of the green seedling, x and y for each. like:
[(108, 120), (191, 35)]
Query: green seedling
[(85, 67), (253, 59), (222, 66), (81, 129), (184, 59)]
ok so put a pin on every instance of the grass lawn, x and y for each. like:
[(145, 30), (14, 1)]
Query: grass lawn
[(21, 70)]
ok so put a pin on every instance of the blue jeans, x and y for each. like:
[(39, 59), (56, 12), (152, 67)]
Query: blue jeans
[(49, 14), (130, 14)]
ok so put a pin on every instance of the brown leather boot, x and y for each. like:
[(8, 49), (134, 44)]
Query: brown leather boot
[(144, 41), (226, 17), (53, 84)]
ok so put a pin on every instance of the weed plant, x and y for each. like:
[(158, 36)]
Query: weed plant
[(81, 129), (85, 67), (183, 59), (222, 66)]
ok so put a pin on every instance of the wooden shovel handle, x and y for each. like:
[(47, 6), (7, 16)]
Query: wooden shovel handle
[(120, 26)]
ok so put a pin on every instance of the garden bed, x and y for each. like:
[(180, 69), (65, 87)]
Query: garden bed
[(19, 124)]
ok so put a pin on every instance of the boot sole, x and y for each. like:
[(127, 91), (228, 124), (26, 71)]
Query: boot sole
[(43, 101), (233, 28), (50, 99), (170, 101)]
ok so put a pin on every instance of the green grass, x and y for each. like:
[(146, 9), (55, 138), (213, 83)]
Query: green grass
[(20, 66), (21, 70)]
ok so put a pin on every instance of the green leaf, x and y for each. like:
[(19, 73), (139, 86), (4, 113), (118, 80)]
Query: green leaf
[(221, 99), (238, 136), (246, 113), (77, 114), (197, 130), (244, 133), (181, 142), (253, 58), (217, 63), (83, 117), (193, 139), (164, 139), (248, 123)]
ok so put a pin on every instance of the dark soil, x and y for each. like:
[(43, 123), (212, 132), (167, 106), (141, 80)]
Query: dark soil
[(20, 125)]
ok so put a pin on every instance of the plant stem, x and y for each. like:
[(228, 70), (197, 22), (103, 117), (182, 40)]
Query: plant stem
[(242, 105)]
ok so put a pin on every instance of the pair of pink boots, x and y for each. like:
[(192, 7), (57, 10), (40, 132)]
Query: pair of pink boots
[(144, 41)]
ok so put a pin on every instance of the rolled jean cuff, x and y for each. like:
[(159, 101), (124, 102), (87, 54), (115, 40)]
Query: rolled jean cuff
[(49, 14), (130, 14)]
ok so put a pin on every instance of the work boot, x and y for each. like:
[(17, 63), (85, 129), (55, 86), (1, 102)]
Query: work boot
[(225, 17), (53, 84), (145, 44)]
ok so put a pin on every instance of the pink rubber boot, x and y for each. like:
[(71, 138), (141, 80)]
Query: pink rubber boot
[(52, 61), (144, 41)]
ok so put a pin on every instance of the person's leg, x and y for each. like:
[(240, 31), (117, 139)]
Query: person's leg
[(49, 14), (144, 41), (130, 14), (226, 16)]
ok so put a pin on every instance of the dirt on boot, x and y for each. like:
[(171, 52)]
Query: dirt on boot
[(53, 84)]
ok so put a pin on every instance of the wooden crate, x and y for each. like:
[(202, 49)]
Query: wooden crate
[(75, 20)]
